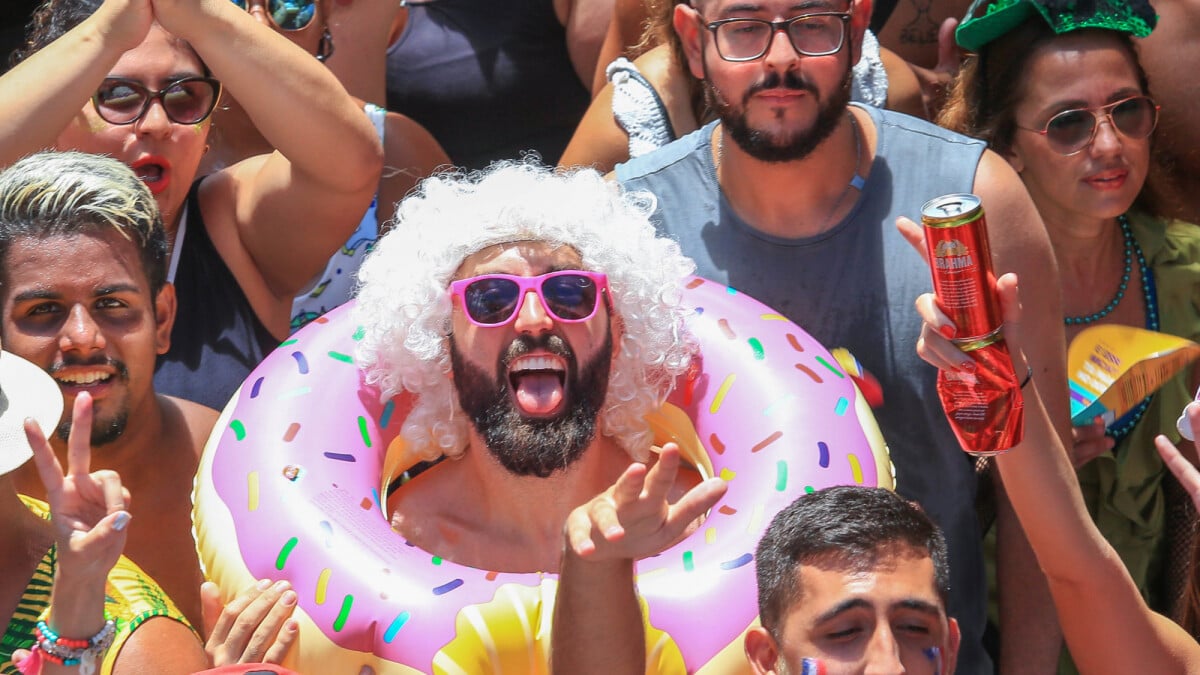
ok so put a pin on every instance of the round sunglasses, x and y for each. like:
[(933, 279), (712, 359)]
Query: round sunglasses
[(570, 296), (189, 100), (1070, 131), (287, 14)]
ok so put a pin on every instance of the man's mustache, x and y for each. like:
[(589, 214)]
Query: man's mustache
[(774, 80), (99, 360)]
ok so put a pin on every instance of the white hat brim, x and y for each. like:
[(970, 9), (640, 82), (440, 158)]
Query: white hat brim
[(25, 391)]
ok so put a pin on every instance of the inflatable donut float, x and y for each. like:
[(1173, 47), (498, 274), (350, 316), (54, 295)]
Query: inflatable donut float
[(293, 482)]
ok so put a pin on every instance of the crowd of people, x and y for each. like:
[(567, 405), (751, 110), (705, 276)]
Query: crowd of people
[(516, 197)]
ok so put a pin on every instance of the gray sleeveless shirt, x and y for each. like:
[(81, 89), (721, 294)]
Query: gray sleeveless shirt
[(853, 286)]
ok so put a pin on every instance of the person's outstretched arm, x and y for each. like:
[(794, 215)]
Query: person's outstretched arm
[(598, 626), (1107, 625)]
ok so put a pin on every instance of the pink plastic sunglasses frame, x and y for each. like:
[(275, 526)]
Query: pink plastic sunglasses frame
[(460, 288)]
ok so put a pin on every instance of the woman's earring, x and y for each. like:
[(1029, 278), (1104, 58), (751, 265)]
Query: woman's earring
[(325, 48)]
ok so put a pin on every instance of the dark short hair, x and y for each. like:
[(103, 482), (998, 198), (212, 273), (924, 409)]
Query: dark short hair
[(854, 526), (51, 194), (54, 18)]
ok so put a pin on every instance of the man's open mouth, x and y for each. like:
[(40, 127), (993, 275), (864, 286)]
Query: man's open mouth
[(538, 383)]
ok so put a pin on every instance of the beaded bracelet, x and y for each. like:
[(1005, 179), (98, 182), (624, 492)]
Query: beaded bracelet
[(70, 652)]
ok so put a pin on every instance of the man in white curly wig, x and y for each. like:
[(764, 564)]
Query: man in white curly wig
[(538, 318)]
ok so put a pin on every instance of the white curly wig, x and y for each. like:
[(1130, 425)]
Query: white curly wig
[(404, 306)]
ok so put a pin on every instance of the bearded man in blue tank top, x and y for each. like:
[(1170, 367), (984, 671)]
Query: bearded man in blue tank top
[(793, 196)]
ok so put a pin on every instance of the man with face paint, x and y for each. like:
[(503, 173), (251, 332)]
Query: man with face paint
[(792, 196), (537, 319), (851, 581)]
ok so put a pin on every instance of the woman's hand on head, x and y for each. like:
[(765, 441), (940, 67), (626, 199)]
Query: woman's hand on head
[(88, 509), (125, 22), (182, 18)]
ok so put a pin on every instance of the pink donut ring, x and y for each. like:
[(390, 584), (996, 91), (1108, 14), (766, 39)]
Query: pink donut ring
[(291, 484)]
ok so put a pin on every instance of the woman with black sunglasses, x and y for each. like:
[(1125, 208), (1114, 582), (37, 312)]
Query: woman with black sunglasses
[(131, 78), (1057, 88)]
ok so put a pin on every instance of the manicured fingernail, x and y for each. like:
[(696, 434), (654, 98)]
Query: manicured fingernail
[(281, 585), (289, 598), (263, 584), (948, 332), (121, 521), (966, 366), (810, 666)]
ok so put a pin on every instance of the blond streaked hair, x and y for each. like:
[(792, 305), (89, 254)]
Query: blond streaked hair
[(54, 194)]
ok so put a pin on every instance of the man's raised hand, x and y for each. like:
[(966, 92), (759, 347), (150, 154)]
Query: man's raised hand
[(633, 519)]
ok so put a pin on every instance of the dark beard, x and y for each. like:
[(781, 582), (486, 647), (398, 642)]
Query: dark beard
[(766, 148), (533, 447), (103, 431)]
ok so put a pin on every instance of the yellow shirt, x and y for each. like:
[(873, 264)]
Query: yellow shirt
[(130, 598)]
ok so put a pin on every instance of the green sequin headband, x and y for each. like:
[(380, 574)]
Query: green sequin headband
[(980, 27)]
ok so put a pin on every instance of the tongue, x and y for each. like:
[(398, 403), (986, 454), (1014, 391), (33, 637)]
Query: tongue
[(538, 393)]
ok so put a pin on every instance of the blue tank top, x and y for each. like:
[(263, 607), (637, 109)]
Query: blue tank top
[(217, 339), (853, 286), (488, 79)]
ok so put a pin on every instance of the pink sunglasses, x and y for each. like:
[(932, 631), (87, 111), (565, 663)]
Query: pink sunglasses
[(570, 296)]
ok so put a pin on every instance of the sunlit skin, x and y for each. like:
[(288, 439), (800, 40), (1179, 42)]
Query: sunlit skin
[(485, 519), (879, 620), (1080, 70), (307, 38), (84, 299), (482, 346), (159, 59)]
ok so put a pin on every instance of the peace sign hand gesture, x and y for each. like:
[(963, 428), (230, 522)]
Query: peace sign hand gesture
[(88, 510)]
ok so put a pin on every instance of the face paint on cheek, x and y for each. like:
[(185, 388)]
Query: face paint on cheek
[(97, 125), (809, 666), (934, 654)]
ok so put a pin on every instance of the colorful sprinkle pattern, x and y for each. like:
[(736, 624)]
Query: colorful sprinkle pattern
[(776, 415)]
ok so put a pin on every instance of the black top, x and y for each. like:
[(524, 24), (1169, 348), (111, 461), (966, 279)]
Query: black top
[(217, 339), (488, 79)]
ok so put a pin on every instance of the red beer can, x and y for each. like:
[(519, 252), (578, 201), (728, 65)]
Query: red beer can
[(983, 402)]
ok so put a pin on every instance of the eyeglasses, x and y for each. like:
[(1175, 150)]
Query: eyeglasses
[(287, 14), (569, 296), (816, 34), (189, 100), (1070, 131)]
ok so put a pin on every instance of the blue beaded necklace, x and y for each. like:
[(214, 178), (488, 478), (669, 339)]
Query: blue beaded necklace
[(1121, 428)]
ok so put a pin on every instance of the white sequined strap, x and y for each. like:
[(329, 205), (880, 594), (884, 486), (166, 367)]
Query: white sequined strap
[(638, 109)]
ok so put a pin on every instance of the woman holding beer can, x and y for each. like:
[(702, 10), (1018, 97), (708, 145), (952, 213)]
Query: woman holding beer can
[(1106, 622), (1056, 88)]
